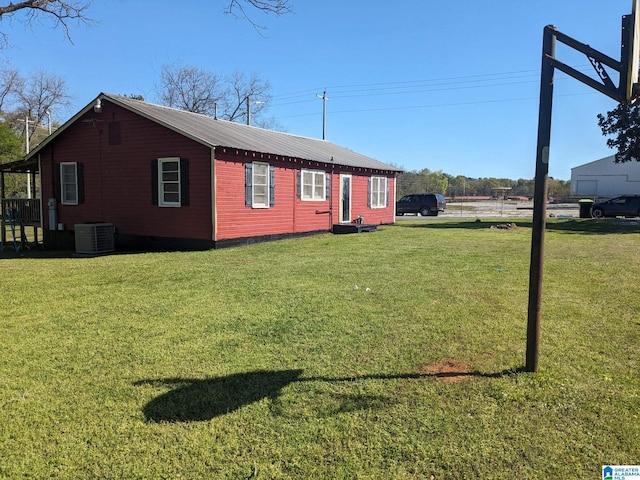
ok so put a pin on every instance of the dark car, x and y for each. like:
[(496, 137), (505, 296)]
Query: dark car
[(422, 203), (623, 206)]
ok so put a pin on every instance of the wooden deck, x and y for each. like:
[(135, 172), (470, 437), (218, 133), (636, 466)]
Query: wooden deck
[(341, 228)]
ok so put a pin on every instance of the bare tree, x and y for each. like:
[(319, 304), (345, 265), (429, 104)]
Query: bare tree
[(31, 99), (42, 92), (61, 12), (190, 88), (228, 97), (10, 84), (237, 8), (245, 94)]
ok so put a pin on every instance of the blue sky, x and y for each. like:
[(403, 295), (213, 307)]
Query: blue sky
[(444, 85)]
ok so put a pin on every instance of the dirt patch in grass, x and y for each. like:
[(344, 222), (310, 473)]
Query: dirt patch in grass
[(449, 370)]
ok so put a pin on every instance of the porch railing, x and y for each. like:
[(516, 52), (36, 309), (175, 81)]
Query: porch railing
[(18, 213), (24, 210)]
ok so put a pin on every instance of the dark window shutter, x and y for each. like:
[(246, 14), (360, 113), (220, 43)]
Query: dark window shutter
[(299, 183), (184, 182), (154, 182), (57, 181), (386, 183), (369, 193), (248, 182), (327, 186), (80, 179), (272, 185)]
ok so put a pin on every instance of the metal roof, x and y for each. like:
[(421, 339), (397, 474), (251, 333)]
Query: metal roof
[(221, 133), (214, 132)]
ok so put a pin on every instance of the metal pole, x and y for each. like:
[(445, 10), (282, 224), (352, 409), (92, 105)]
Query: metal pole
[(540, 198), (26, 130), (248, 110), (324, 114), (26, 126)]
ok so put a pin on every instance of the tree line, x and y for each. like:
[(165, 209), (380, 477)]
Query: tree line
[(428, 181)]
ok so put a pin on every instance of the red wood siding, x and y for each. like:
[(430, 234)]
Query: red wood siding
[(117, 184), (360, 201), (290, 214), (117, 178)]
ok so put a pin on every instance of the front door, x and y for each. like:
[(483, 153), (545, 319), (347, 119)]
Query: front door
[(345, 198)]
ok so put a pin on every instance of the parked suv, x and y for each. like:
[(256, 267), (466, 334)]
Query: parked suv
[(623, 206), (422, 203)]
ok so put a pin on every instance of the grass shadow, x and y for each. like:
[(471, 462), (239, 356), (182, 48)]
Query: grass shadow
[(196, 400)]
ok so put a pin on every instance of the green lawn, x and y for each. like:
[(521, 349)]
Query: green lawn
[(310, 358)]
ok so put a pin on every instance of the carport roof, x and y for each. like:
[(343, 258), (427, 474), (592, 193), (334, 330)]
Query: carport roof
[(25, 165)]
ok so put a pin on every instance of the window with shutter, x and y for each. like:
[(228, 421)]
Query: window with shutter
[(169, 182), (69, 183), (314, 185), (260, 185)]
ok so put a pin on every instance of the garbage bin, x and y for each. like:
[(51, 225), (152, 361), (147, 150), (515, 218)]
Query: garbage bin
[(585, 207)]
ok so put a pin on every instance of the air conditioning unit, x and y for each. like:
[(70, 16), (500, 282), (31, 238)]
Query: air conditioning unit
[(94, 238)]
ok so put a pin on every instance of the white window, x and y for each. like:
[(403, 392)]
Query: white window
[(260, 185), (69, 183), (313, 185), (169, 182), (378, 192)]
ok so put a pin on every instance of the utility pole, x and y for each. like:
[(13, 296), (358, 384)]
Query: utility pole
[(324, 99), (27, 149), (249, 108), (26, 132)]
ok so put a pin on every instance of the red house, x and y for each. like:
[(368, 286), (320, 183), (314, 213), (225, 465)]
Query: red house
[(168, 178)]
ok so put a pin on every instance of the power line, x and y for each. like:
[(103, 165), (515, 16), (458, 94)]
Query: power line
[(411, 87), (438, 105), (408, 83), (397, 84)]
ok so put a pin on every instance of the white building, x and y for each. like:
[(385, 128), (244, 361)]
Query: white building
[(605, 178)]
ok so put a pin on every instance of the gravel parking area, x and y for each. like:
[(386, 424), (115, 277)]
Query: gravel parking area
[(506, 209)]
